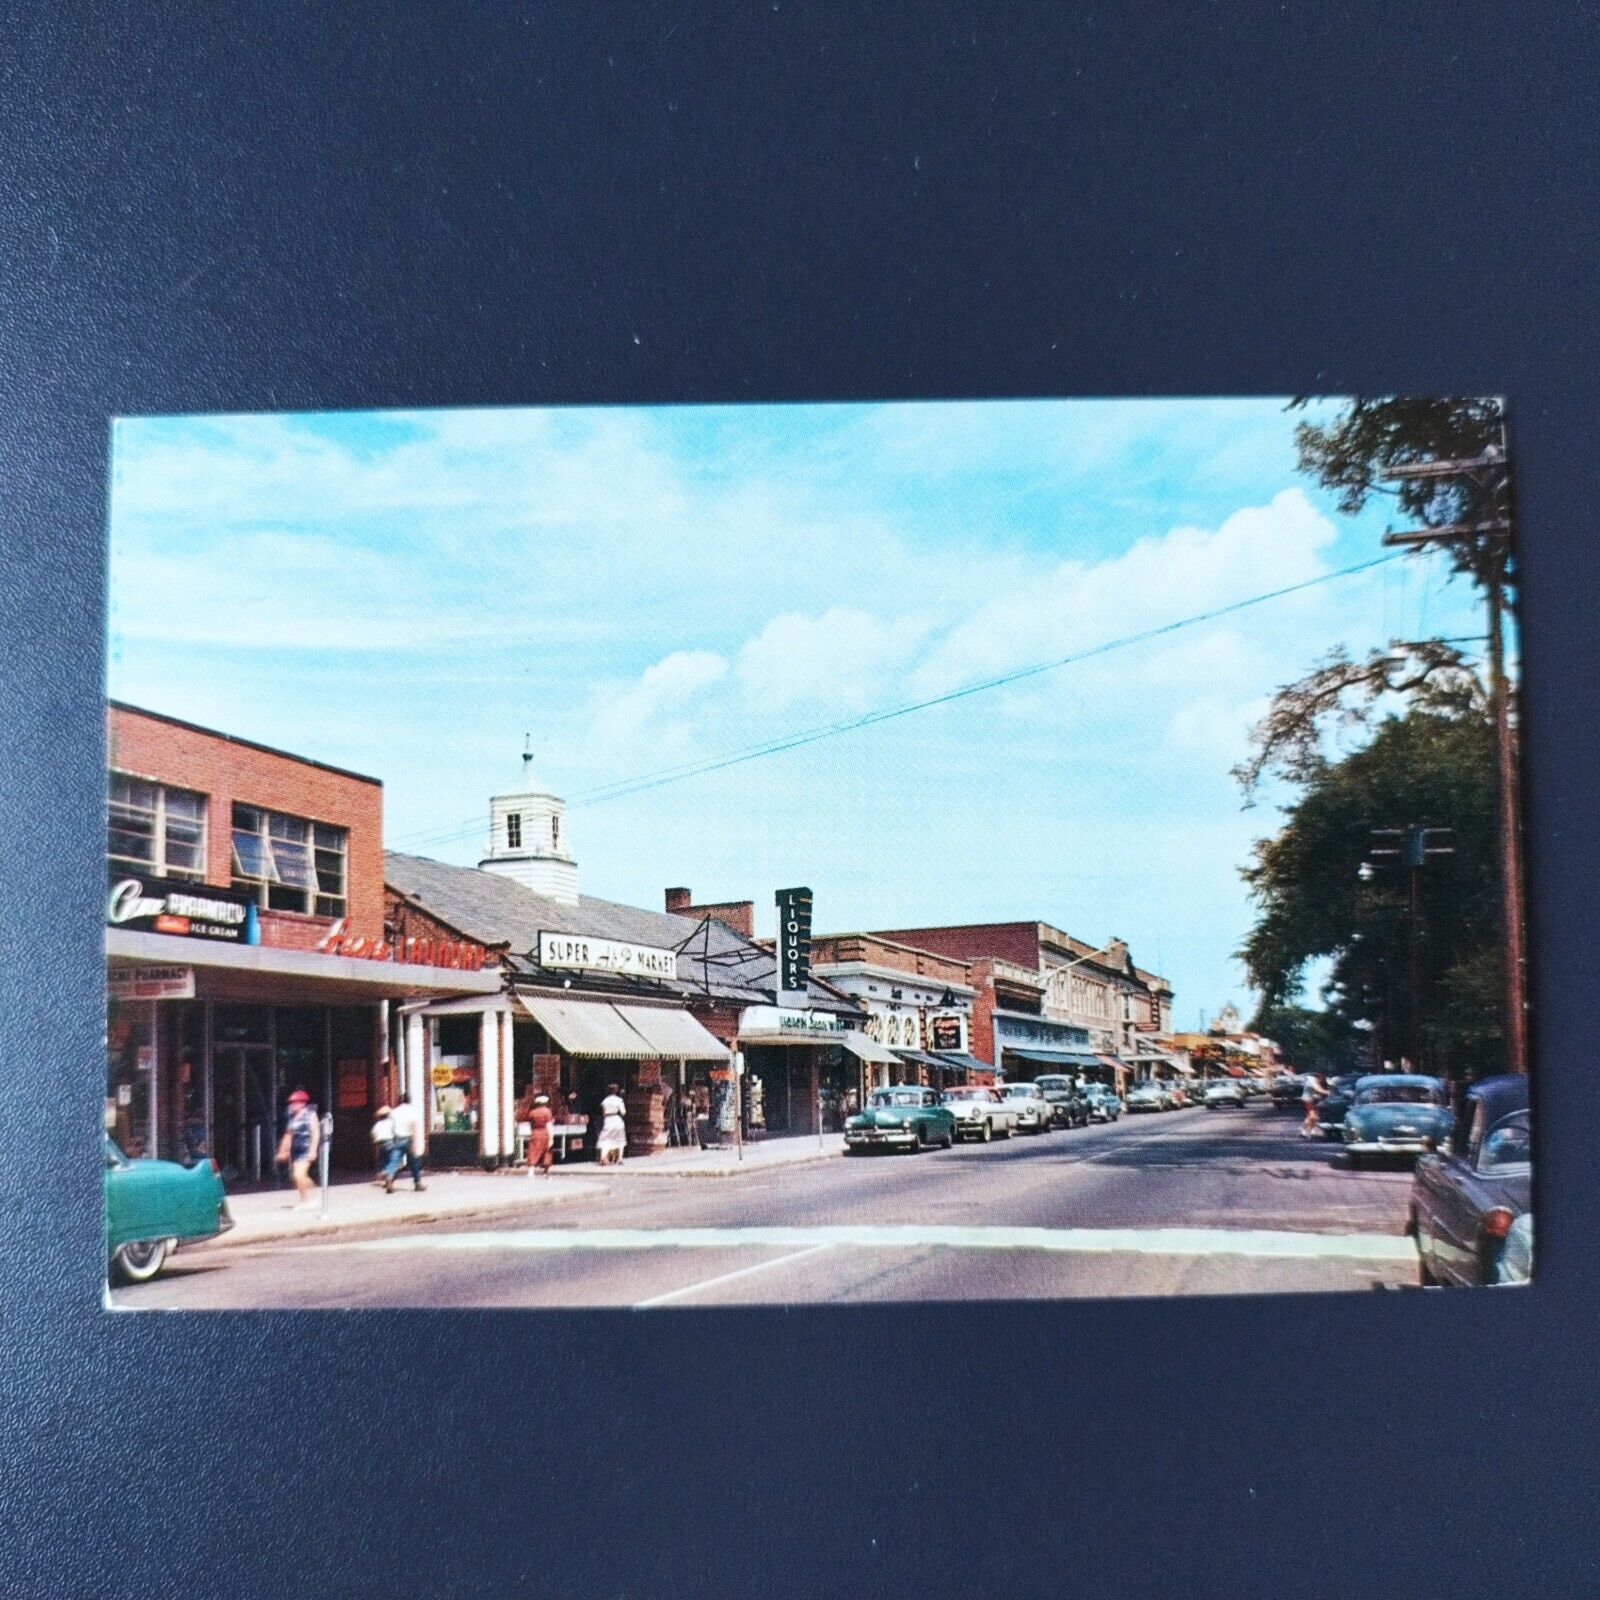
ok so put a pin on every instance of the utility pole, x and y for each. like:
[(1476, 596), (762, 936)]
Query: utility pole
[(1410, 848), (1490, 535)]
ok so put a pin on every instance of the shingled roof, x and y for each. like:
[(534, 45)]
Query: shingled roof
[(713, 960)]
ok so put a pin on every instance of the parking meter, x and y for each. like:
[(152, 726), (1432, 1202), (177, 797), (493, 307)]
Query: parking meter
[(324, 1150)]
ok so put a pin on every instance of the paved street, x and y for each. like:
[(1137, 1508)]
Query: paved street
[(1184, 1202)]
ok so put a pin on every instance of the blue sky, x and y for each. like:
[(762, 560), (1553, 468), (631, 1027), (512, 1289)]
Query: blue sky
[(407, 594)]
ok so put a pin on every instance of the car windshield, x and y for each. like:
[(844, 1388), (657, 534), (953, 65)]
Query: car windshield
[(966, 1094), (1399, 1094), (1020, 1091), (1054, 1083)]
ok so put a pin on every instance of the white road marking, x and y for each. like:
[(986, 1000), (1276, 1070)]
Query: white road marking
[(1256, 1242), (726, 1277)]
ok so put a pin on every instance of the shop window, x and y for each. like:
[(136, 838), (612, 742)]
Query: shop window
[(513, 830), (155, 829), (291, 864)]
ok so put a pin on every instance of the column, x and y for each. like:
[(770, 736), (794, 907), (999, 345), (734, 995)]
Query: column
[(508, 1095), (489, 1085), (415, 1069)]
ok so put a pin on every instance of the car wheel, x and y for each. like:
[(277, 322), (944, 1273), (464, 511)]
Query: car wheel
[(140, 1262), (988, 1131), (949, 1138), (1356, 1159)]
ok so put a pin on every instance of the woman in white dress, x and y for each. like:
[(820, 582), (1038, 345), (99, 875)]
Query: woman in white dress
[(613, 1138)]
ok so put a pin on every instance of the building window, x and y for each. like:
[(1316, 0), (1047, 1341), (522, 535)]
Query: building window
[(154, 829), (555, 833), (513, 830), (291, 864)]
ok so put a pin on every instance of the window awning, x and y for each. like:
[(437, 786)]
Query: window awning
[(1114, 1064), (1054, 1058), (965, 1063), (869, 1050), (675, 1035), (918, 1058)]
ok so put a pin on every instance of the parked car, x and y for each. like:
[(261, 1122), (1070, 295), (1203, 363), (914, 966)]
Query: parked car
[(1104, 1106), (1033, 1110), (1396, 1113), (980, 1113), (154, 1206), (1286, 1089), (1516, 1254), (1223, 1092), (904, 1117), (1068, 1107), (1465, 1203), (1331, 1108), (1148, 1096), (1179, 1094)]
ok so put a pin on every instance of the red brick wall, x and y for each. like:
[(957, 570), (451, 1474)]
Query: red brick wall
[(740, 915), (879, 952), (980, 1030), (1016, 942), (225, 770)]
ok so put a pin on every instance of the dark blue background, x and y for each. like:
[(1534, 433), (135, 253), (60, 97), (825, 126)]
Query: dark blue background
[(298, 205)]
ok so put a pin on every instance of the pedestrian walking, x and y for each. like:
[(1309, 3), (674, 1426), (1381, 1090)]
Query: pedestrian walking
[(302, 1137), (383, 1143), (1311, 1091), (613, 1128), (403, 1151), (541, 1151)]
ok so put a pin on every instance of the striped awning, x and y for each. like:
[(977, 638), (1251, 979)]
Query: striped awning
[(615, 1031), (868, 1050), (675, 1034)]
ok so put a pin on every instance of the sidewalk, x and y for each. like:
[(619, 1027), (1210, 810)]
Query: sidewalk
[(788, 1151), (359, 1203)]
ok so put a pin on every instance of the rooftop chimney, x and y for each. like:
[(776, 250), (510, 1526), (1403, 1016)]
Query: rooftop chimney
[(679, 901)]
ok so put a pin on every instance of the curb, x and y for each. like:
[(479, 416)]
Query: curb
[(644, 1170), (315, 1229)]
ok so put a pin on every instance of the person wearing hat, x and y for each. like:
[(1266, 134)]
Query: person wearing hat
[(541, 1155), (301, 1136)]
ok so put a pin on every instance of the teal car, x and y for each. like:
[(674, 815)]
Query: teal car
[(1396, 1113), (154, 1206), (904, 1117)]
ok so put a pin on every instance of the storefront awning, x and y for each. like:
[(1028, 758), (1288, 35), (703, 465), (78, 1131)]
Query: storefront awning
[(918, 1058), (588, 1028), (868, 1050), (675, 1035), (1114, 1064), (965, 1063), (1054, 1058)]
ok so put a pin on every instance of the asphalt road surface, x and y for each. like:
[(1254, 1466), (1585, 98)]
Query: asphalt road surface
[(1182, 1202)]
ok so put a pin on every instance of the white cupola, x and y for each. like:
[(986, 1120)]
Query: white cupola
[(528, 838)]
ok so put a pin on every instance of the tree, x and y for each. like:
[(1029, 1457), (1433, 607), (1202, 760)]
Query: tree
[(1432, 767), (1372, 436), (1448, 463), (1310, 1041)]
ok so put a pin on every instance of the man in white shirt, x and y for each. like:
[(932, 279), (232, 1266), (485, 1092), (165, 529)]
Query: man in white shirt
[(403, 1150)]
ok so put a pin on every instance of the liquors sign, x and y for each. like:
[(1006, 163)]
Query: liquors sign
[(794, 940), (189, 910), (576, 952)]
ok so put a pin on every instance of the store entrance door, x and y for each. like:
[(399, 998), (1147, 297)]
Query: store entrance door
[(244, 1115)]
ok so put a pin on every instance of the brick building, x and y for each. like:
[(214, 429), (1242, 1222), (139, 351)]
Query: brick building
[(918, 1003), (245, 945), (595, 993), (1065, 1002)]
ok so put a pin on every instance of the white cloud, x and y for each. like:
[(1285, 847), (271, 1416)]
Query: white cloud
[(842, 661), (659, 693)]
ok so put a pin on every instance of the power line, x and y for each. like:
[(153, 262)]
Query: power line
[(662, 776)]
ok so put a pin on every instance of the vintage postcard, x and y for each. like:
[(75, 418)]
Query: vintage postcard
[(718, 856)]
